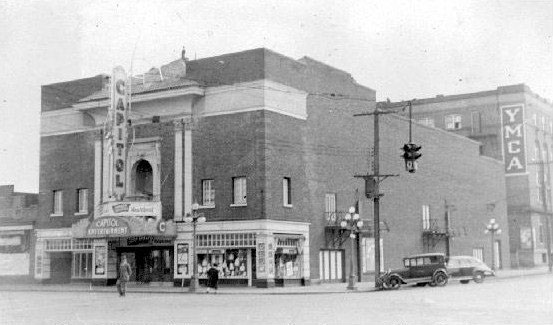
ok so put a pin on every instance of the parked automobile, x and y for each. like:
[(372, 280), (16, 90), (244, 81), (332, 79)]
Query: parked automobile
[(466, 268), (419, 269)]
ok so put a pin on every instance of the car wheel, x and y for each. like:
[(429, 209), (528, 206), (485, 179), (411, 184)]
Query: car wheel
[(464, 281), (440, 279), (479, 277), (394, 283)]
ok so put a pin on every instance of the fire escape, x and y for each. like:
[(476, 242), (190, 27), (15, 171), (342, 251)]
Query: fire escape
[(432, 234), (336, 235)]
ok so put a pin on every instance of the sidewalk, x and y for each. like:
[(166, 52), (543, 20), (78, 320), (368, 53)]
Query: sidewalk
[(325, 288)]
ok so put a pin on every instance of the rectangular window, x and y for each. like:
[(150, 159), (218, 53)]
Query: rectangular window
[(208, 193), (426, 121), (425, 217), (287, 191), (82, 265), (541, 233), (476, 122), (453, 122), (239, 190), (330, 206), (82, 200), (58, 202), (478, 253)]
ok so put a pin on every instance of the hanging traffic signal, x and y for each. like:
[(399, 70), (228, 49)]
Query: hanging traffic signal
[(410, 155)]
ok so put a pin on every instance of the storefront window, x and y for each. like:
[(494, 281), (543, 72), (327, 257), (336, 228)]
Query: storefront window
[(231, 263), (82, 265), (287, 263)]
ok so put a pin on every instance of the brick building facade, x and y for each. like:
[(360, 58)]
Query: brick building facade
[(18, 212), (267, 146), (514, 125)]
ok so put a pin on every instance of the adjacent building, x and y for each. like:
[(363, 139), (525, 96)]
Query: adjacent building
[(515, 125), (18, 212), (265, 147)]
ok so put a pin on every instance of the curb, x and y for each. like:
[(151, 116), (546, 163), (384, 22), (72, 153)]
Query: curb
[(249, 292)]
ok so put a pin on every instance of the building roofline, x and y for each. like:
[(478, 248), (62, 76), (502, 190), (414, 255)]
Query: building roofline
[(509, 89)]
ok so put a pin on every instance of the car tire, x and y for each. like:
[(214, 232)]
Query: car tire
[(440, 279), (465, 281), (478, 277), (394, 283)]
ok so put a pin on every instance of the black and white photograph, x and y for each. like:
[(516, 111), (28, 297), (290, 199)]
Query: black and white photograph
[(325, 162)]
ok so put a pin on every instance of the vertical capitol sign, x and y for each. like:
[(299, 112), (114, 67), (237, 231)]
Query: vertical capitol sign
[(514, 142), (118, 113)]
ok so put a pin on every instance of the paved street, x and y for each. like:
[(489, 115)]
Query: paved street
[(503, 301)]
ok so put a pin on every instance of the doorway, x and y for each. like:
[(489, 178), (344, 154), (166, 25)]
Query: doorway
[(60, 267), (150, 264)]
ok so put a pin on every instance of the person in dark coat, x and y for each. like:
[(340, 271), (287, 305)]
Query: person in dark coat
[(124, 276), (212, 278)]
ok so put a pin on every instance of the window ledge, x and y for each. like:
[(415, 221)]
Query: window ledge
[(206, 207), (288, 206), (238, 205), (56, 214), (84, 213)]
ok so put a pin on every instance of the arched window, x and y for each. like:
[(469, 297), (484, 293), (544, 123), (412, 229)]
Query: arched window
[(143, 176)]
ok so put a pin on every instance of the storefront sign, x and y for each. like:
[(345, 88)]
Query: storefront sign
[(261, 257), (118, 114), (514, 146), (132, 209), (100, 258), (108, 227), (149, 241), (182, 258)]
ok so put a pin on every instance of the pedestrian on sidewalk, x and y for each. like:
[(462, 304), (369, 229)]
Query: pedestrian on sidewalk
[(124, 276), (212, 278)]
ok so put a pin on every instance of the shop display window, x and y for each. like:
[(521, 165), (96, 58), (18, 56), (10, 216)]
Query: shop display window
[(231, 263), (287, 264)]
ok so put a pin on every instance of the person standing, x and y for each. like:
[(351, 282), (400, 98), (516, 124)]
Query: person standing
[(124, 276), (212, 278)]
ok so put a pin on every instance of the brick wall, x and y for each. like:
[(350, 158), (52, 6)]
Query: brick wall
[(228, 146), (66, 163)]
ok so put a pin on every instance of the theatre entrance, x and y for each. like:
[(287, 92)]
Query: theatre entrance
[(149, 264)]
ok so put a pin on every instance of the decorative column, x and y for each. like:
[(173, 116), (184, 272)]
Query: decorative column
[(98, 160), (187, 165), (178, 127)]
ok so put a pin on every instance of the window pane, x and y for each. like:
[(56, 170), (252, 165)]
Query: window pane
[(240, 190)]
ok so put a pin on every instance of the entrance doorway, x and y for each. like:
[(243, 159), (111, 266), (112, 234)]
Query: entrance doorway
[(60, 267), (150, 264)]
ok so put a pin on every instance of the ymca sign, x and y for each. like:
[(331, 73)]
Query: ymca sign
[(513, 135)]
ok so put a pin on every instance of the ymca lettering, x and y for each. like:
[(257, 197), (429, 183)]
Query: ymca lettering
[(514, 151)]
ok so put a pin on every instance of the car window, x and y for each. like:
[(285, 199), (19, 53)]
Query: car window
[(420, 261), (406, 262), (453, 262), (427, 261)]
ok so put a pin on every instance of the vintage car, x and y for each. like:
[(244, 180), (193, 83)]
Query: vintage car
[(466, 268), (419, 269)]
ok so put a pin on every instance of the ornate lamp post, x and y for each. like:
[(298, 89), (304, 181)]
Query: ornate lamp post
[(493, 228), (194, 219), (352, 223)]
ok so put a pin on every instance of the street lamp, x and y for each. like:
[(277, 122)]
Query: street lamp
[(493, 228), (194, 219), (352, 223)]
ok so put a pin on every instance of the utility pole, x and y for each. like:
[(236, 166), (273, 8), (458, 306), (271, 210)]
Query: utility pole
[(447, 249), (374, 181)]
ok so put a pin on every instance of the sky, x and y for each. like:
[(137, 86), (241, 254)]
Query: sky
[(402, 49)]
